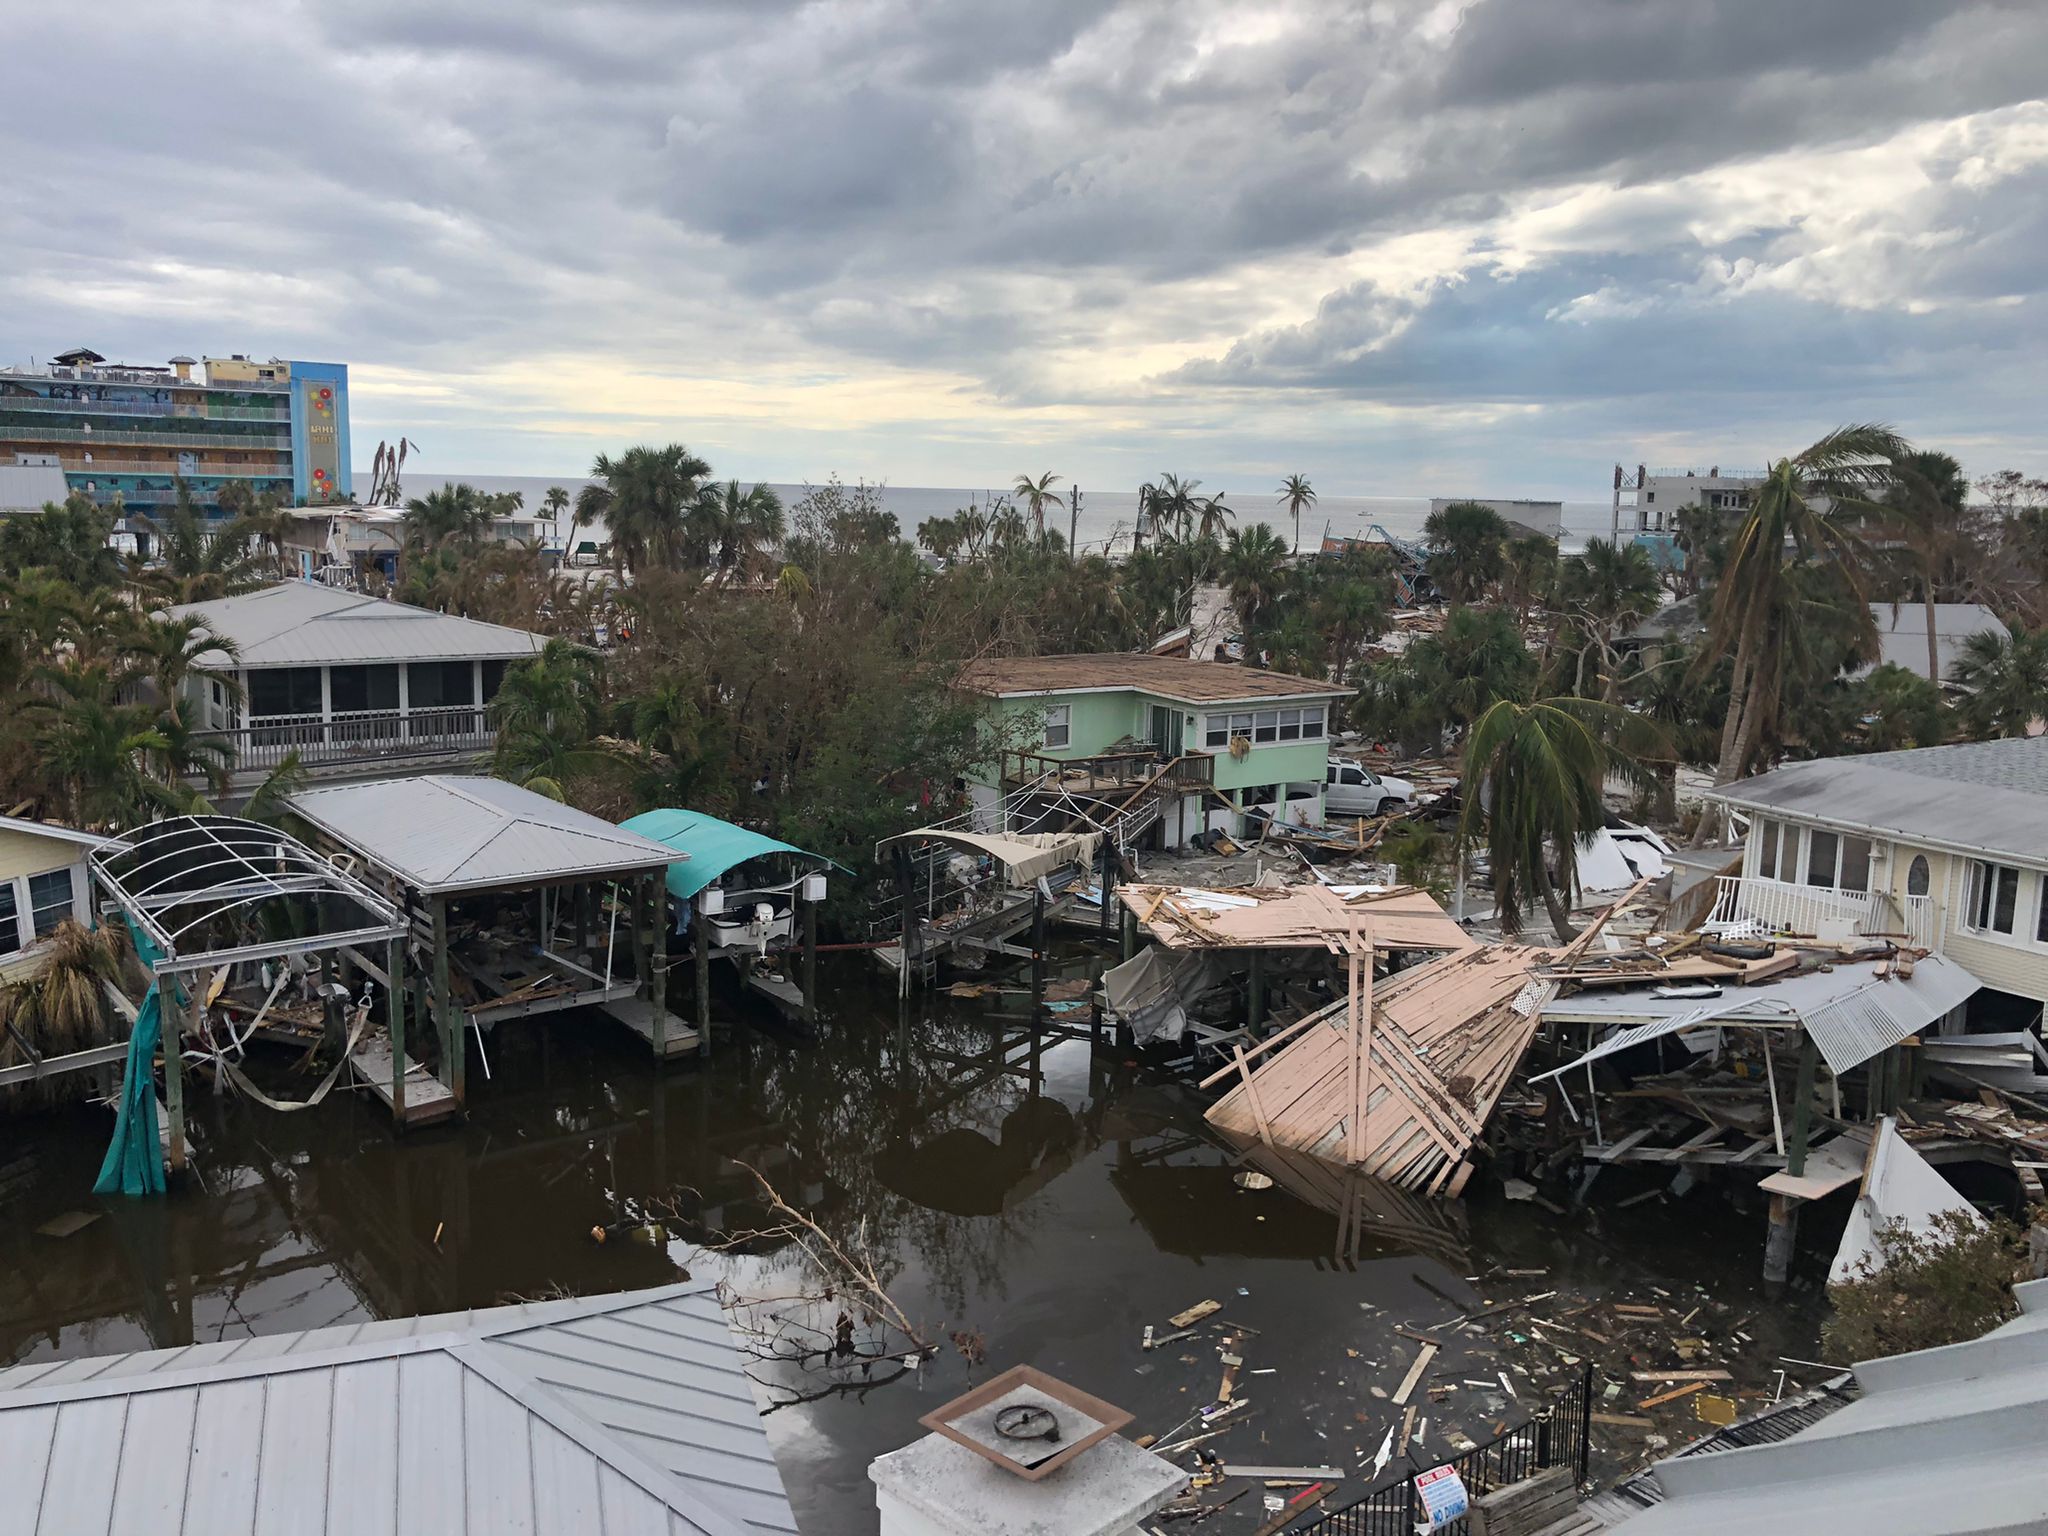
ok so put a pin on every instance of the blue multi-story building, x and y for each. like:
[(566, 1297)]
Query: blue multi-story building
[(276, 429)]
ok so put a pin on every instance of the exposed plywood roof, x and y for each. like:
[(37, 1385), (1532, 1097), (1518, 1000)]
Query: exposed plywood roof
[(444, 834), (1295, 916), (303, 624), (630, 1414), (1169, 677)]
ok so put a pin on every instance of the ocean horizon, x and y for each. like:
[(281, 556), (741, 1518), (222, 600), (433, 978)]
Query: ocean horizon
[(1106, 517)]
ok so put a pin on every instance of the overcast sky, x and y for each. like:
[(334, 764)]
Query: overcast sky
[(1404, 248)]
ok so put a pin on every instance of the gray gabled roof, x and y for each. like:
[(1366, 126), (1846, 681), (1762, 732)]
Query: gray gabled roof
[(1902, 635), (629, 1414), (31, 487), (443, 834), (1942, 1442), (303, 624), (1979, 797)]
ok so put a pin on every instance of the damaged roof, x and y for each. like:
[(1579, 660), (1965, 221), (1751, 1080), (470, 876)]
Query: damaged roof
[(1293, 916), (1986, 797), (1169, 677)]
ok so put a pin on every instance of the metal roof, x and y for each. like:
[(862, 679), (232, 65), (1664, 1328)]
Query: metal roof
[(629, 1414), (50, 829), (1901, 794), (709, 847), (31, 487), (442, 834), (1942, 1441), (303, 624), (1851, 1011), (1902, 634)]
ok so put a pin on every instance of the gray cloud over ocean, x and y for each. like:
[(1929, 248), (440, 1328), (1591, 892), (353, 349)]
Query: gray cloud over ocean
[(1405, 247)]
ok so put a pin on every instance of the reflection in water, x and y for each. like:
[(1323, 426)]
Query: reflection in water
[(1047, 1198)]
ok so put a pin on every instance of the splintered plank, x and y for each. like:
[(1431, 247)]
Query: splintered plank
[(1423, 1357)]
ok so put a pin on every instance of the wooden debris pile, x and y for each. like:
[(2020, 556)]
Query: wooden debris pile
[(1397, 1080)]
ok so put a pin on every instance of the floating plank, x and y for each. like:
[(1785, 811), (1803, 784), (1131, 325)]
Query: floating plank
[(427, 1098), (1675, 1393), (637, 1014), (1680, 1376), (1423, 1357), (1194, 1314), (1232, 1469), (1625, 1420)]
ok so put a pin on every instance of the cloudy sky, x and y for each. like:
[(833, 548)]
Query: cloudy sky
[(1471, 245)]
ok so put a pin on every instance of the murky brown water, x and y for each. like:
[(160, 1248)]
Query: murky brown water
[(1054, 1209)]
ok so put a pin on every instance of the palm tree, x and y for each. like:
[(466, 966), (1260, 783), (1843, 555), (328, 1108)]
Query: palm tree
[(1213, 518), (1608, 590), (741, 527), (943, 536), (171, 651), (645, 502), (200, 560), (95, 748), (1252, 572), (555, 502), (1533, 774), (1035, 494), (1757, 607), (60, 1009), (1465, 542), (546, 715), (1296, 494), (1926, 506), (455, 514), (2006, 683)]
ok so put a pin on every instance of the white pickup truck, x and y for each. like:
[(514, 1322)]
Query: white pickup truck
[(1352, 789)]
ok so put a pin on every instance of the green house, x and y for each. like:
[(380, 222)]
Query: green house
[(1249, 740)]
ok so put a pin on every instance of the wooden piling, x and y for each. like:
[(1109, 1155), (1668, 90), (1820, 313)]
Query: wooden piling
[(810, 962), (657, 968), (394, 1004), (173, 1017), (453, 1045), (703, 931)]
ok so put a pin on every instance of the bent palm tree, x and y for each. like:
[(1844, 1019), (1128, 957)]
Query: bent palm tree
[(1533, 775), (1757, 600), (2006, 683), (1926, 506), (1296, 494)]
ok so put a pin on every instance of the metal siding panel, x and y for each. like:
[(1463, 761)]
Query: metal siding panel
[(156, 1458), (289, 1479), (498, 1459), (646, 1357), (25, 1436), (430, 1463), (362, 1450), (78, 1488), (565, 1500), (221, 1487)]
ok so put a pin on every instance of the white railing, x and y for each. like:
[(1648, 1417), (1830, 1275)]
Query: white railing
[(159, 467), (188, 410), (358, 735), (275, 441), (1780, 906)]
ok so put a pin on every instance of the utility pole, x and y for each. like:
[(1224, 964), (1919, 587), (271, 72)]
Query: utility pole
[(1073, 524)]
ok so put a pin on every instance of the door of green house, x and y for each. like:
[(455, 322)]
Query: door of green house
[(1166, 731)]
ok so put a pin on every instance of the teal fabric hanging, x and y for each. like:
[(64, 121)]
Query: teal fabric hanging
[(135, 1159)]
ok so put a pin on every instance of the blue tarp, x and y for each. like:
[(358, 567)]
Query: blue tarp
[(710, 846), (135, 1159)]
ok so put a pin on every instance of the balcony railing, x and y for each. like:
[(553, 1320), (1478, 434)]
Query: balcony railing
[(159, 467), (186, 410), (1780, 906), (357, 736), (15, 432)]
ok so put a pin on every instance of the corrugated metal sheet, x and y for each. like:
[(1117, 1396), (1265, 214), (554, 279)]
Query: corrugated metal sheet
[(31, 487), (299, 623), (630, 1414), (1940, 1442), (1851, 1011), (440, 833)]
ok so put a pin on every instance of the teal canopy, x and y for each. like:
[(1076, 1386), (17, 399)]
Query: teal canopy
[(709, 846)]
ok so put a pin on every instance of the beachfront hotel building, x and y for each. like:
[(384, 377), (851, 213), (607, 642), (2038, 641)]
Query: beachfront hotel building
[(1647, 502), (277, 428)]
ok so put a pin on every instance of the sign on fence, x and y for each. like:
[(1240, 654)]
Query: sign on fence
[(1443, 1495)]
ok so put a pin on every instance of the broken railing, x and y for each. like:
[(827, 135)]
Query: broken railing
[(1559, 1434)]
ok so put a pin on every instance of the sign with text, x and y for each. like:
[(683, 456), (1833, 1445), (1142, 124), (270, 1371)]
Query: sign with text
[(1443, 1495)]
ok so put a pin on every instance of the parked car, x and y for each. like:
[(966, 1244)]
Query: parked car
[(1352, 789)]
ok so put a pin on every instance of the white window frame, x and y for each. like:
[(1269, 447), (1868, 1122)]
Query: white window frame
[(20, 926), (1978, 888), (13, 940), (1267, 727), (1059, 718), (1839, 864)]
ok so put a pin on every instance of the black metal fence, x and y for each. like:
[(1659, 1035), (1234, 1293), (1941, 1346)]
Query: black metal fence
[(1559, 1434)]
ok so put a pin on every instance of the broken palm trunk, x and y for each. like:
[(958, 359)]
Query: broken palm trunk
[(1398, 1079)]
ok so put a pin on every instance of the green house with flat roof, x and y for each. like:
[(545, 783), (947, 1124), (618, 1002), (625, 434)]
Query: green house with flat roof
[(1249, 740)]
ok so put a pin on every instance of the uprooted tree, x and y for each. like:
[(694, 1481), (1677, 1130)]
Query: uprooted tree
[(1925, 1289)]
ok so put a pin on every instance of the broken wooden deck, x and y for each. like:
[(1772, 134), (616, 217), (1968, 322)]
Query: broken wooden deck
[(548, 984), (428, 1100)]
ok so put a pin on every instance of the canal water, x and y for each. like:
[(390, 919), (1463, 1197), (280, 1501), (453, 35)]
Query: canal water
[(1026, 1199)]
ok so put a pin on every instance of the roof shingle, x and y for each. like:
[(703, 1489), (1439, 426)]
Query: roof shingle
[(1171, 677)]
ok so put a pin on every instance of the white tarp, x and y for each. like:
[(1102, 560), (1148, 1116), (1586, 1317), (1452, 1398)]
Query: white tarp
[(1151, 990), (1025, 856), (1615, 859), (1901, 1186)]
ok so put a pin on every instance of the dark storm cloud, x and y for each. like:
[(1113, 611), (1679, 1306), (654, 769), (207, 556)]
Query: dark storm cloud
[(974, 188)]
